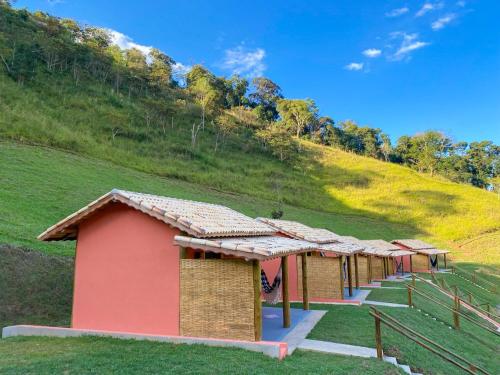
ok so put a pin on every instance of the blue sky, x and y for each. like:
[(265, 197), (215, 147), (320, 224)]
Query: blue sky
[(403, 66)]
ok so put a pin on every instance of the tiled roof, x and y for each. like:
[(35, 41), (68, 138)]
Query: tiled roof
[(414, 244), (195, 218), (301, 231), (260, 247), (341, 248), (381, 245), (429, 251)]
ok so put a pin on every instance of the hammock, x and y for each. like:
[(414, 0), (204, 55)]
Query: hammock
[(399, 266), (272, 293), (434, 261)]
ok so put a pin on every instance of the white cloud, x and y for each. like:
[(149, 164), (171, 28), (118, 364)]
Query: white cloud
[(427, 7), (179, 71), (461, 3), (245, 62), (354, 66), (125, 42), (409, 43), (397, 12), (443, 21), (372, 52)]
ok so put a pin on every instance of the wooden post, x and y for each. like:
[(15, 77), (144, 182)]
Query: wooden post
[(413, 280), (384, 268), (356, 271), (257, 308), (378, 337), (410, 300), (305, 291), (456, 318), (452, 269), (442, 283), (445, 265), (411, 263), (349, 274), (286, 297), (469, 297), (341, 273), (455, 290), (369, 263)]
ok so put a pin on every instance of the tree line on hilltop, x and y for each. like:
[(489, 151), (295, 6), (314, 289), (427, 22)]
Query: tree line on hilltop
[(34, 44)]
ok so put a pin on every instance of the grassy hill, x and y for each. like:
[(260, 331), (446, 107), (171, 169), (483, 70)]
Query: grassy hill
[(138, 131)]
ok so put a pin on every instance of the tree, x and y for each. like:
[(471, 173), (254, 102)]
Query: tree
[(160, 69), (279, 141), (264, 98), (386, 147), (236, 89), (483, 159), (297, 113)]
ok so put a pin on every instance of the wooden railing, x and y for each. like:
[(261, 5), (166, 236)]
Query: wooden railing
[(472, 276), (467, 297), (421, 340), (456, 314)]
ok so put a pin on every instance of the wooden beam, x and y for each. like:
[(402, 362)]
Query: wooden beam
[(286, 296), (305, 291), (349, 274), (445, 265), (341, 273), (257, 308), (356, 271), (369, 262)]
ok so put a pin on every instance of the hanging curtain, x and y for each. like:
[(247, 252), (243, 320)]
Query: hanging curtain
[(272, 293)]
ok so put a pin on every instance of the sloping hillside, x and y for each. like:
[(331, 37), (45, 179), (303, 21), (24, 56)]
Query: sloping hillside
[(74, 106), (40, 186)]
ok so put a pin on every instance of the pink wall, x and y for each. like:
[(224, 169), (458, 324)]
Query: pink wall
[(406, 258), (126, 273), (271, 268)]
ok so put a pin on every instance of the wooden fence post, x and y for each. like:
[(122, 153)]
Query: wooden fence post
[(413, 279), (410, 301), (285, 296), (456, 309), (305, 289), (378, 336), (469, 297)]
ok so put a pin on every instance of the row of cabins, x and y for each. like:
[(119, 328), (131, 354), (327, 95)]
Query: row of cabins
[(157, 265)]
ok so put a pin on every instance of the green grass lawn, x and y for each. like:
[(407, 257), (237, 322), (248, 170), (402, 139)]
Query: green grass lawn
[(41, 186), (353, 325), (91, 355), (388, 295)]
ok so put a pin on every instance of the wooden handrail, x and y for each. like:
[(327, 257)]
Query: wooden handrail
[(397, 322), (454, 310), (474, 277), (400, 328), (469, 302)]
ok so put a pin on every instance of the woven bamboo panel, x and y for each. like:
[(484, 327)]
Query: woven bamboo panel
[(377, 268), (420, 262), (323, 277), (390, 262), (362, 268), (217, 299)]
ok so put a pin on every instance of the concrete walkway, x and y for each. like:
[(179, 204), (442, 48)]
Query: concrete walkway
[(388, 304), (351, 350)]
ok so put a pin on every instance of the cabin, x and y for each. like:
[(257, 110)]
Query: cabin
[(426, 256), (162, 266), (330, 268), (391, 258)]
